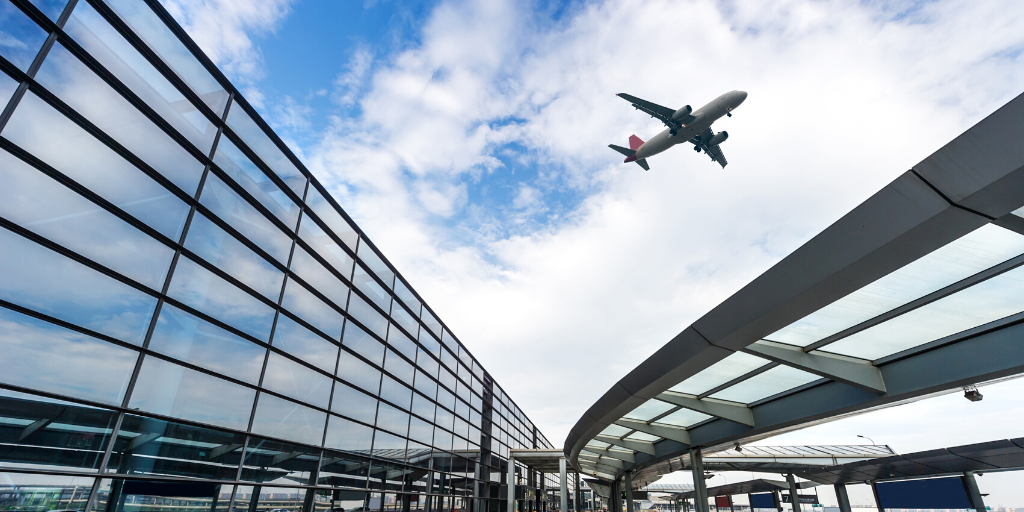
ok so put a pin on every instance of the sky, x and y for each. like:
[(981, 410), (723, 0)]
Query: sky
[(468, 139)]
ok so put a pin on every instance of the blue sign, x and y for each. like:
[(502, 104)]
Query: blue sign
[(933, 493), (762, 501)]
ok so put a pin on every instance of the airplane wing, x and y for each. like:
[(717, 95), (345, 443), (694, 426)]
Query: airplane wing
[(715, 152), (717, 155), (655, 110)]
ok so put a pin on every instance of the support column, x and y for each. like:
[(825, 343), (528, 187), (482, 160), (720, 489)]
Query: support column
[(564, 487), (777, 498), (731, 509), (874, 492), (700, 498), (973, 492), (750, 501), (511, 480), (629, 492), (842, 497), (579, 493), (794, 493)]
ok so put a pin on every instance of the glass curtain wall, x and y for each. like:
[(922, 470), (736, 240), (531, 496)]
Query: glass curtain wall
[(188, 320)]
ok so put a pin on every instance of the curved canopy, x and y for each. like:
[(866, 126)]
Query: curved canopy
[(917, 291)]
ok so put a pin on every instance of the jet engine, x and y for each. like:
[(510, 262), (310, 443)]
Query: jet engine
[(682, 112), (718, 138)]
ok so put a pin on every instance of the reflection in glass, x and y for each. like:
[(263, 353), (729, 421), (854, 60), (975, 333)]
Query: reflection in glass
[(373, 261), (54, 139), (277, 417), (20, 38), (310, 308), (388, 446), (422, 407), (213, 244), (344, 470), (42, 493), (48, 434), (315, 274), (348, 435), (329, 216), (42, 280), (987, 301), (274, 462), (363, 344), (7, 88), (293, 338), (246, 219), (258, 141), (34, 201), (114, 52), (764, 385), (395, 392), (64, 75), (354, 404), (421, 431), (297, 381), (354, 371), (196, 341), (201, 289), (399, 367), (405, 294), (169, 48), (157, 447), (362, 280), (321, 243), (367, 316), (733, 366), (171, 390), (405, 320), (649, 410), (425, 385), (241, 169), (683, 418), (978, 250), (431, 323)]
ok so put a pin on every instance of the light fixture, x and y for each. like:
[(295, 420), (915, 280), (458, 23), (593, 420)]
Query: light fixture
[(738, 447), (971, 393), (866, 437)]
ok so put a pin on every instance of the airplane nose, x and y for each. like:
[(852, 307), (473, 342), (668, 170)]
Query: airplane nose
[(740, 96)]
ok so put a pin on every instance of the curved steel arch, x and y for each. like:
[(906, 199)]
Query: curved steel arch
[(976, 179)]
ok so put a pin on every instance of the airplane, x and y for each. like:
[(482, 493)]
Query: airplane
[(684, 125)]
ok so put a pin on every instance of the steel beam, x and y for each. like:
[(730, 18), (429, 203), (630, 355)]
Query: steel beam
[(639, 446), (861, 374), (615, 454), (675, 434), (727, 411)]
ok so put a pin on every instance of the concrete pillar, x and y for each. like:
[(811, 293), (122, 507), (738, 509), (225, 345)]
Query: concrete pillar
[(564, 487), (700, 498), (973, 492), (511, 483), (794, 493), (874, 492), (629, 492), (843, 497)]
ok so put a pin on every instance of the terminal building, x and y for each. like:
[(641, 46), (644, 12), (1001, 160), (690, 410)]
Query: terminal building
[(188, 320)]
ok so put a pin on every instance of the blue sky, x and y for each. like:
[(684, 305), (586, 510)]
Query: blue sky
[(469, 140)]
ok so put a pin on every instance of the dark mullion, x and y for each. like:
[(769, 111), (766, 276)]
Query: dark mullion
[(36, 15), (244, 194), (67, 325), (263, 166), (308, 212), (229, 278), (269, 132), (737, 380)]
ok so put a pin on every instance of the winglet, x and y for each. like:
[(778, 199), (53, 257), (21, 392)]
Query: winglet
[(635, 142)]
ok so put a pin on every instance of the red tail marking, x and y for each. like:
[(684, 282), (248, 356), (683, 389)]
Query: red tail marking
[(635, 142)]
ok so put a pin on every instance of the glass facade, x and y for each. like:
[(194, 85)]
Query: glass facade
[(189, 320)]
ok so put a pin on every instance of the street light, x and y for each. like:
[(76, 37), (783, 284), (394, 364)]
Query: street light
[(866, 437)]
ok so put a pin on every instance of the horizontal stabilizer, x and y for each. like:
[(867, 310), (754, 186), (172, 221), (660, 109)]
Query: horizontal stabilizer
[(624, 151), (643, 163)]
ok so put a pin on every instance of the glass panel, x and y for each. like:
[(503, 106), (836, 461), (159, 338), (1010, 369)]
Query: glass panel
[(273, 462), (984, 247), (20, 38), (429, 364), (51, 8), (258, 141), (314, 235), (640, 436), (344, 470), (28, 492), (211, 294), (399, 367), (374, 262), (363, 344), (307, 306), (421, 430), (45, 434), (683, 418), (354, 404), (316, 275), (399, 341), (157, 447), (293, 338), (405, 320), (248, 221), (172, 390), (296, 381), (354, 371), (169, 48), (7, 88), (255, 182), (370, 288), (395, 392), (64, 75), (1019, 212), (445, 398), (733, 366), (279, 499), (348, 435), (114, 52), (430, 322), (54, 139), (392, 419), (40, 279), (444, 418), (387, 446), (423, 407), (649, 410), (330, 217), (980, 304), (34, 201), (366, 315), (403, 292), (764, 385), (196, 341), (213, 244), (277, 417)]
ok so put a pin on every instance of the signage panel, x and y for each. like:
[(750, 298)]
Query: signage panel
[(933, 493)]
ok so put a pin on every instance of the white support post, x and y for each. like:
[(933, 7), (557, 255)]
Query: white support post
[(511, 483), (563, 487)]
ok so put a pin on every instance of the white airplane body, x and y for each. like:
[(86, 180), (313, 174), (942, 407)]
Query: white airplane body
[(684, 125)]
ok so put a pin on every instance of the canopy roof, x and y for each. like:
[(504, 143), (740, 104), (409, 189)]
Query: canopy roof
[(917, 291)]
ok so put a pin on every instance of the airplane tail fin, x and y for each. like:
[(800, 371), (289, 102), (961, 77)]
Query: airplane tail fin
[(635, 142), (643, 163), (631, 154)]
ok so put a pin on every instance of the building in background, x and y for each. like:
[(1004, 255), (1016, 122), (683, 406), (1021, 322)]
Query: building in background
[(188, 321)]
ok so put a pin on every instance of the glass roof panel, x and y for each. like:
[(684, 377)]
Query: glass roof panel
[(1019, 212), (978, 250), (600, 445), (980, 304), (719, 373), (764, 385), (643, 436), (683, 418), (615, 431), (651, 409)]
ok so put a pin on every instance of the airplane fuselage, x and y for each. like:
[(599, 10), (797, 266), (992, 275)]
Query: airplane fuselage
[(702, 119)]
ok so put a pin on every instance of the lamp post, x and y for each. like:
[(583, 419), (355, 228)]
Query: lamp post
[(868, 438)]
